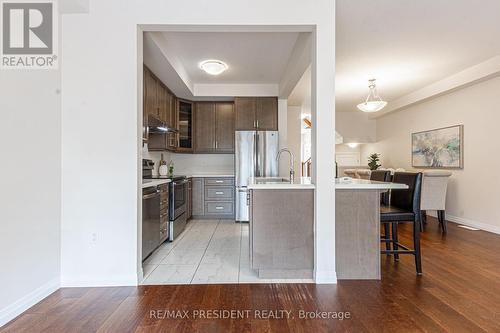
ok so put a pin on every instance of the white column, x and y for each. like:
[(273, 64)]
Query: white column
[(323, 150)]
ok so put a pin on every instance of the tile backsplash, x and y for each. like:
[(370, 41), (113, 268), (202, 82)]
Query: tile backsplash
[(193, 163)]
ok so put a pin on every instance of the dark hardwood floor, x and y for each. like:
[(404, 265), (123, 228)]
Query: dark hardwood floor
[(458, 292)]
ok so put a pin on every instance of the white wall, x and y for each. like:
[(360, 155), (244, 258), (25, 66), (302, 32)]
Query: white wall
[(474, 191), (101, 126), (355, 127), (294, 137), (30, 188)]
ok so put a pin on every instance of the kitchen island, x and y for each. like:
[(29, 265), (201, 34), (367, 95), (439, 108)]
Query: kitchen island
[(357, 227), (281, 227)]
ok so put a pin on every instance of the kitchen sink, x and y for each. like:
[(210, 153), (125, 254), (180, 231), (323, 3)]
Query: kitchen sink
[(271, 180)]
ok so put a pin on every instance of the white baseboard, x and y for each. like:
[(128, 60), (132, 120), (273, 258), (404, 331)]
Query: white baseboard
[(475, 224), (325, 277), (98, 281), (468, 222), (24, 303)]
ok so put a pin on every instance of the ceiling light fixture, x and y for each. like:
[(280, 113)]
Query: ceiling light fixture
[(373, 102), (213, 67), (353, 144)]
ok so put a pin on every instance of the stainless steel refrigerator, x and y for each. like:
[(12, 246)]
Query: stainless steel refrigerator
[(255, 156)]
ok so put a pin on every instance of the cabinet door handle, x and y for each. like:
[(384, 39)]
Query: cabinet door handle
[(219, 193), (257, 124), (219, 181), (219, 208), (216, 144)]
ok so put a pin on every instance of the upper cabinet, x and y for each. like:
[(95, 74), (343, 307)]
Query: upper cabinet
[(159, 103), (214, 127), (224, 127), (245, 113), (204, 127), (256, 113), (266, 114), (185, 114), (150, 94)]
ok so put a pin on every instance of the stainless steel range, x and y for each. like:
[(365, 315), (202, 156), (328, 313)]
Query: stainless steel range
[(177, 206)]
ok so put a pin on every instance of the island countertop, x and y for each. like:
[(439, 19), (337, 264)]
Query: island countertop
[(365, 184), (277, 183)]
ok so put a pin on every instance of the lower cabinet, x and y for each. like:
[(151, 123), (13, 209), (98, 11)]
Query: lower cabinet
[(213, 197), (163, 212)]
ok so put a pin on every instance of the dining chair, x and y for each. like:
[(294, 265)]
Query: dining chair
[(434, 185), (404, 207)]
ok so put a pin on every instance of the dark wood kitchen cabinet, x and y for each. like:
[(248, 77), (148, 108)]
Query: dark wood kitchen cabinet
[(224, 127), (214, 127), (266, 114), (245, 113), (185, 114), (163, 212), (160, 103), (150, 94), (204, 137), (158, 99), (163, 103), (256, 113)]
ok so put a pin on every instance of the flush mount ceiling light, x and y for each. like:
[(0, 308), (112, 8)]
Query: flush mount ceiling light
[(373, 102), (353, 144), (213, 67)]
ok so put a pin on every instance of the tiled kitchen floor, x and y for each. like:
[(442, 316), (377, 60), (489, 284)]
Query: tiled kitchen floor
[(208, 251)]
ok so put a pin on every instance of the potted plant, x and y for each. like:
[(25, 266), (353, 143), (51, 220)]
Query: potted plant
[(373, 161)]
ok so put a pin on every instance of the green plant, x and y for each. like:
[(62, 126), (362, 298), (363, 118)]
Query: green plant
[(373, 161)]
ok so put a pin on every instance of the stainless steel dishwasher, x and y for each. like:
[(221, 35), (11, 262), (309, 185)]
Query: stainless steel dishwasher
[(150, 220)]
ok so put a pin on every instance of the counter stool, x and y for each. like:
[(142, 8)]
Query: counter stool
[(383, 176), (404, 208)]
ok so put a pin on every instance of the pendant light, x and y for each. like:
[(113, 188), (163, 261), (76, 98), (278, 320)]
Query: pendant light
[(373, 102)]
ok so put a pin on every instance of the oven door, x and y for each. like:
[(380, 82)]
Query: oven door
[(178, 198)]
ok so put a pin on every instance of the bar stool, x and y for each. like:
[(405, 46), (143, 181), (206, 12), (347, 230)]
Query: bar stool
[(383, 176), (404, 208)]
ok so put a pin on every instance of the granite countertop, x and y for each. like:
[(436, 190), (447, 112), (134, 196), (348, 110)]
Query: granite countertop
[(154, 182), (277, 183), (347, 183)]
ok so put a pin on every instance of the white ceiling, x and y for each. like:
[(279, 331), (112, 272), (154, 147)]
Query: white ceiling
[(407, 45), (252, 57)]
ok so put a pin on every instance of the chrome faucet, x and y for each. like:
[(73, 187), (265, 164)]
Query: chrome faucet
[(292, 162)]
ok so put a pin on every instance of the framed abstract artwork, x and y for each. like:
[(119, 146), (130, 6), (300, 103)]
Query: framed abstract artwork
[(438, 148)]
